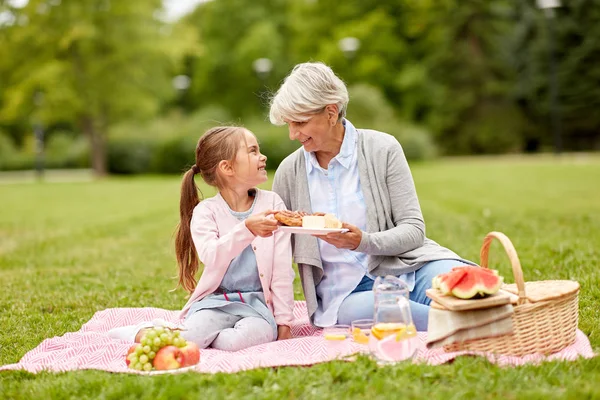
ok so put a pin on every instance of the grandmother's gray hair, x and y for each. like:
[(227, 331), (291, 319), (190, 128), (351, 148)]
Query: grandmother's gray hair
[(307, 90)]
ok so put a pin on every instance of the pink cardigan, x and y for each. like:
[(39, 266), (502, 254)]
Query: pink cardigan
[(219, 237)]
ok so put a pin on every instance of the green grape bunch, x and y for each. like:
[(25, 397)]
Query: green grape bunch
[(142, 355)]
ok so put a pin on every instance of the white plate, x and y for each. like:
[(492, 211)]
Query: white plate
[(170, 371), (311, 231)]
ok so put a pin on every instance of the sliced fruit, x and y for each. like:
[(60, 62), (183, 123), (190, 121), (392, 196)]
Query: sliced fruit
[(407, 333), (467, 282), (450, 280), (384, 329), (477, 283), (335, 336), (359, 336)]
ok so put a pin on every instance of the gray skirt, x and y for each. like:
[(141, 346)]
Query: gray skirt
[(247, 304)]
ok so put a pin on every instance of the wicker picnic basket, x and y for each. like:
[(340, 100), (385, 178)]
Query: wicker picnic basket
[(545, 316)]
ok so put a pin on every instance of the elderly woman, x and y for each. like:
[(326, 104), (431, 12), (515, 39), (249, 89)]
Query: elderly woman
[(362, 177)]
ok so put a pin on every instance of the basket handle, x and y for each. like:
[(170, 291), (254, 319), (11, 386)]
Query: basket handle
[(512, 255)]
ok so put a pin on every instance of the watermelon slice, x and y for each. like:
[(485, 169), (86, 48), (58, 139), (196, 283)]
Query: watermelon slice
[(448, 281), (468, 282)]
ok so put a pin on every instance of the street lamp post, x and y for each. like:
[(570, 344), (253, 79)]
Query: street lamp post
[(181, 83), (38, 131), (349, 46), (548, 6), (262, 67)]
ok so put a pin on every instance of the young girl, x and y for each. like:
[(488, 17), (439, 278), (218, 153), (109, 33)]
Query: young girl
[(245, 294)]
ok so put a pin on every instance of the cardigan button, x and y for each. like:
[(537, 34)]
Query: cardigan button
[(262, 275), (268, 302), (254, 247)]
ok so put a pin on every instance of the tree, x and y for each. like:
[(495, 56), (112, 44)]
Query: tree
[(234, 34), (577, 53), (97, 62)]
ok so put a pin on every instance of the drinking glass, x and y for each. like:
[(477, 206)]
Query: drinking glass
[(335, 339), (361, 330)]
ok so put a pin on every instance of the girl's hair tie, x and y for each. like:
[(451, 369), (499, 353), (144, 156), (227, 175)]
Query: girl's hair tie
[(195, 169)]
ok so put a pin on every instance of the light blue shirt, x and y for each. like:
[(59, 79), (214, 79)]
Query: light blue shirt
[(337, 190)]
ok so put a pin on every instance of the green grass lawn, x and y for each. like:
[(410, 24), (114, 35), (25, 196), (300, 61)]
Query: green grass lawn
[(68, 250)]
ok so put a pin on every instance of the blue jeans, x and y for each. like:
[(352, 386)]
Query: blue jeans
[(359, 305)]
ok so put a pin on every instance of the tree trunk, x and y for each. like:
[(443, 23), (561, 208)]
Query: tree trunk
[(97, 145)]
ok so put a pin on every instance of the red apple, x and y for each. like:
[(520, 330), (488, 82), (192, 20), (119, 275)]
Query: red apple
[(131, 350), (169, 357), (191, 354)]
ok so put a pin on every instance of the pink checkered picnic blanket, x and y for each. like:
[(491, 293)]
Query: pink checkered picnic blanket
[(91, 348)]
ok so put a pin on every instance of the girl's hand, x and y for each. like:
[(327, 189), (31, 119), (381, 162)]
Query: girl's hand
[(261, 225), (284, 332), (349, 240)]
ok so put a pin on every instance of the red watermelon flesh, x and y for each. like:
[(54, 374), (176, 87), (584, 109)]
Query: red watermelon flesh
[(449, 280), (477, 282), (466, 282)]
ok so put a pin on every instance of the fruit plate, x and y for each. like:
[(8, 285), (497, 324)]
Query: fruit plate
[(311, 231), (171, 371)]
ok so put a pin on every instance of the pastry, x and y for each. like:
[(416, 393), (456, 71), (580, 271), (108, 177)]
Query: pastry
[(318, 220), (289, 218)]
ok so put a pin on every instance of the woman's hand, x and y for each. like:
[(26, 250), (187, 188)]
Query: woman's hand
[(349, 240), (283, 332), (261, 225)]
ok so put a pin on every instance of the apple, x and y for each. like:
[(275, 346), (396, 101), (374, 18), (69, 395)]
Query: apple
[(191, 354), (169, 357), (131, 350)]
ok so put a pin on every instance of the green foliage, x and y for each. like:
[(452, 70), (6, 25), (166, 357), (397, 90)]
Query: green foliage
[(65, 151), (473, 74), (370, 109), (7, 146), (574, 33), (162, 145), (417, 143), (274, 141), (11, 158), (96, 63), (232, 40), (130, 155), (174, 156), (494, 128)]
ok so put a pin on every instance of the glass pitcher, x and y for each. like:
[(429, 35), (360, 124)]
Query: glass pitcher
[(393, 335)]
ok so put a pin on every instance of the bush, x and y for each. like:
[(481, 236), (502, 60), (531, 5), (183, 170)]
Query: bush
[(492, 128), (172, 125), (11, 159), (417, 143), (174, 156), (130, 155), (169, 148), (274, 141), (65, 151), (369, 109), (7, 149), (162, 145)]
